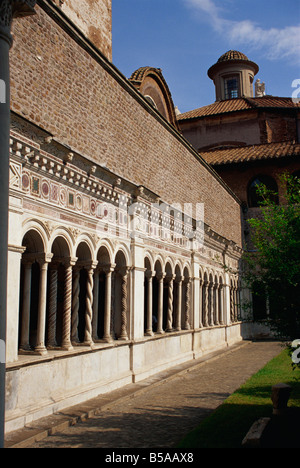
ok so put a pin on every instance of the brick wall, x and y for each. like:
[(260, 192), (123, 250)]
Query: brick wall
[(81, 100), (277, 127), (238, 176)]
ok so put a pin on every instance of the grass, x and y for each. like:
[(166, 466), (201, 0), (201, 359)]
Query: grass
[(230, 422)]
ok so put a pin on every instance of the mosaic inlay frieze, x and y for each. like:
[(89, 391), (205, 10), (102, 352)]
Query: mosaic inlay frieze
[(42, 176)]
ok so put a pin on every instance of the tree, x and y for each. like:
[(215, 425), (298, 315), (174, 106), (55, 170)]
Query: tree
[(273, 269)]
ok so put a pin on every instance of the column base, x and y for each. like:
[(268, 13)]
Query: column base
[(41, 350), (67, 347), (108, 339), (25, 349), (123, 338), (88, 343)]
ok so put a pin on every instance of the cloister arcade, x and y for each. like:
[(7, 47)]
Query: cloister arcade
[(76, 293)]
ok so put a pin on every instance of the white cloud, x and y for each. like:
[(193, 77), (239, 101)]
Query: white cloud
[(282, 43)]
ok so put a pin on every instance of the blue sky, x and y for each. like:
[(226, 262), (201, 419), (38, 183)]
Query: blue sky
[(185, 37)]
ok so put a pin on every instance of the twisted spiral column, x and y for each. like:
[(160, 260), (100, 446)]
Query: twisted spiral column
[(89, 308), (124, 335), (95, 305), (160, 279), (231, 304), (149, 276), (66, 332), (187, 304), (53, 273), (205, 319), (169, 326), (75, 306)]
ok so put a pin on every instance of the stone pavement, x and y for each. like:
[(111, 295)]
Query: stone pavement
[(154, 413)]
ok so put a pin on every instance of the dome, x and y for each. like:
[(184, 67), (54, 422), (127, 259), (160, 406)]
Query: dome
[(232, 55), (233, 75)]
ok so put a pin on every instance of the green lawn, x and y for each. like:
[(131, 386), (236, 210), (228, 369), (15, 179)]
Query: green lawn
[(228, 424)]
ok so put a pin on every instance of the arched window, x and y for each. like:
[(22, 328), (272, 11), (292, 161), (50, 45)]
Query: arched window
[(231, 87), (151, 101), (254, 199)]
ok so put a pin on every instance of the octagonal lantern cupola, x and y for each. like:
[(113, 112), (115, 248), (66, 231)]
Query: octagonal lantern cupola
[(233, 76)]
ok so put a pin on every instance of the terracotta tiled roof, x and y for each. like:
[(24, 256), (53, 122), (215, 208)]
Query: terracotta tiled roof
[(138, 75), (251, 153), (240, 104)]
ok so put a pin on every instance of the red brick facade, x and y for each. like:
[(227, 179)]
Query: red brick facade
[(64, 86)]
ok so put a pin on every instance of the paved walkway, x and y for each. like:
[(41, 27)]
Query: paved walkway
[(155, 413)]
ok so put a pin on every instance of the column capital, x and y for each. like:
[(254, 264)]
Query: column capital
[(160, 276), (69, 262), (149, 274), (124, 270), (90, 265), (10, 9), (179, 279), (109, 268), (44, 258), (170, 278)]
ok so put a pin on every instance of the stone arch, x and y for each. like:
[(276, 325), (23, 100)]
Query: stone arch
[(148, 258), (122, 254), (63, 233), (169, 266), (158, 294), (104, 254), (102, 276), (254, 198), (38, 234), (34, 242), (168, 296), (178, 297), (59, 293), (82, 300), (86, 248), (148, 294)]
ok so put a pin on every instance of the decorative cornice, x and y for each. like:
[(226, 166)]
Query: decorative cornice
[(51, 180)]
